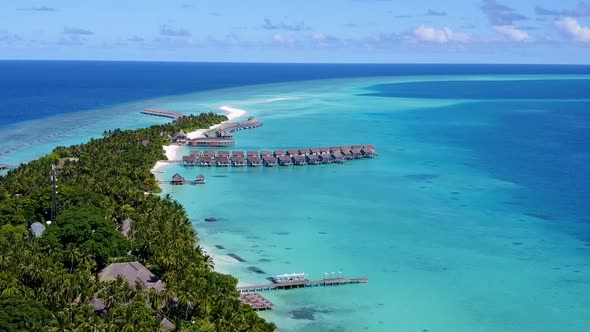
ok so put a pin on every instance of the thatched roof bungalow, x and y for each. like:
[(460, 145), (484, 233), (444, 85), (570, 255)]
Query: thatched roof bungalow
[(132, 272), (177, 179)]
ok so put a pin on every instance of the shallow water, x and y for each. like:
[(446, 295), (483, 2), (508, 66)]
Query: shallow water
[(472, 218), (465, 222)]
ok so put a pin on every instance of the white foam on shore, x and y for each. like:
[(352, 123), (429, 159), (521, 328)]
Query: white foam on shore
[(234, 113), (173, 152), (272, 100)]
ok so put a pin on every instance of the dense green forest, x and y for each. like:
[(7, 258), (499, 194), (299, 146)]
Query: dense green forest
[(48, 283)]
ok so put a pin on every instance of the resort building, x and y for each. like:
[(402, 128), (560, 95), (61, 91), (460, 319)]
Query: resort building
[(285, 161), (189, 160), (132, 272), (177, 179), (326, 158), (180, 137), (313, 159), (200, 179), (254, 161), (299, 160), (269, 161), (211, 142)]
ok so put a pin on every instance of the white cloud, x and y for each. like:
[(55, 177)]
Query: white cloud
[(283, 40), (441, 36), (513, 33), (573, 29)]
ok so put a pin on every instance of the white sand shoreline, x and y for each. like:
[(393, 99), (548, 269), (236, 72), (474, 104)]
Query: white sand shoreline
[(174, 152)]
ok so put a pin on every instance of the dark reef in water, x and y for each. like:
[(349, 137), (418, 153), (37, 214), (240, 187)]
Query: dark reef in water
[(219, 246), (282, 233), (256, 270), (236, 257), (307, 313)]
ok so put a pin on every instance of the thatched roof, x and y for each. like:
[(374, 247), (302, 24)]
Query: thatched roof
[(131, 272), (177, 177), (180, 134)]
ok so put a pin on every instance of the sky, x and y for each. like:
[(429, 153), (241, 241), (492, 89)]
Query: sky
[(357, 31)]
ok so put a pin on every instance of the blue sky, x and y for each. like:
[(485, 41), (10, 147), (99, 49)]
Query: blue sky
[(370, 31)]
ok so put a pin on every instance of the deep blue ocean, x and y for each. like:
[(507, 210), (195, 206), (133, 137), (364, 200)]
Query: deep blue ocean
[(474, 217), (35, 89)]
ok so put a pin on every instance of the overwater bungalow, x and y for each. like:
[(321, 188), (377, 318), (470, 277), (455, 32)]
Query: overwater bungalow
[(254, 161), (292, 152), (304, 152), (368, 152), (345, 148), (265, 153), (237, 154), (252, 153), (313, 159), (369, 147), (211, 142), (209, 154), (285, 161), (269, 161), (299, 160), (189, 160), (196, 153), (224, 133), (205, 162), (177, 180), (326, 158), (335, 148), (315, 151), (223, 154), (347, 154), (325, 150), (221, 161), (180, 137), (357, 152), (200, 179), (238, 161), (338, 157), (279, 153)]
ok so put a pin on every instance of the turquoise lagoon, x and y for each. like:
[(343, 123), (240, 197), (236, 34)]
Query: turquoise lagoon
[(472, 218)]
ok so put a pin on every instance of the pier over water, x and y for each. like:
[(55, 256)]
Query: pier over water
[(227, 129), (162, 113)]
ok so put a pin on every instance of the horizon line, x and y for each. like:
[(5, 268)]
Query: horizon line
[(304, 63)]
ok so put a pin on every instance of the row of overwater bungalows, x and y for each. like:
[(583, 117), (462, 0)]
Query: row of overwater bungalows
[(297, 157)]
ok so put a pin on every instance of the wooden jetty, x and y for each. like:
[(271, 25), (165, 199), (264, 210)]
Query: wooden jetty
[(298, 157), (299, 280), (178, 180), (163, 113), (211, 142), (256, 301), (227, 129)]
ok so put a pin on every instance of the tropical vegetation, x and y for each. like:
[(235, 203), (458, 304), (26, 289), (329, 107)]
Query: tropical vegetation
[(50, 283)]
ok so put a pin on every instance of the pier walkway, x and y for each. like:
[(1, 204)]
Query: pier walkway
[(227, 129), (166, 114), (301, 284)]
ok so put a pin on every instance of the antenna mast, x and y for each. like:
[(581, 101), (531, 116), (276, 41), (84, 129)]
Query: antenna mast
[(53, 193)]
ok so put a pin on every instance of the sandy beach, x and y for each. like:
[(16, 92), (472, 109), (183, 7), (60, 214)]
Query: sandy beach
[(174, 152)]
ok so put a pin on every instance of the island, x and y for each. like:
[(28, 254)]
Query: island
[(86, 244)]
